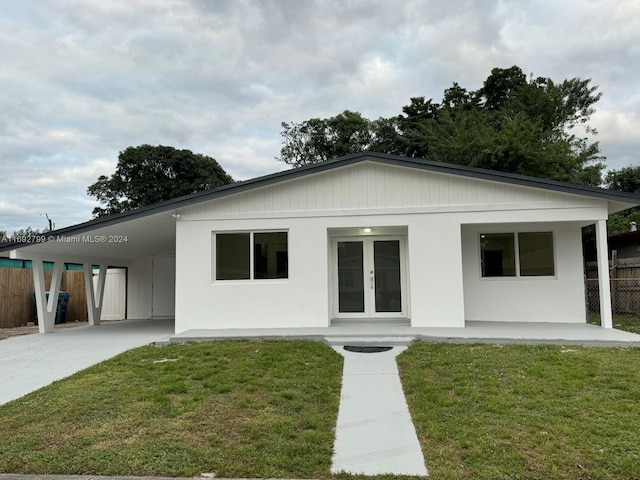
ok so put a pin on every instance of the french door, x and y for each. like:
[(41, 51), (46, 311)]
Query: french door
[(369, 277)]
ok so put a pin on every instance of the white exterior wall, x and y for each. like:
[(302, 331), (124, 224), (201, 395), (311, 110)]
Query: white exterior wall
[(303, 300), (438, 213), (163, 286), (560, 298), (300, 300), (139, 288)]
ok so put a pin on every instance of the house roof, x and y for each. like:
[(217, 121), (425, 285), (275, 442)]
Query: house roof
[(159, 216), (625, 238)]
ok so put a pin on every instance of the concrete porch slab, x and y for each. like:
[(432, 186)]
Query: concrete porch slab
[(483, 332)]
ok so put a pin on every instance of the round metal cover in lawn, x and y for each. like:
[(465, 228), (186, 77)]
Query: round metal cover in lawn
[(366, 349)]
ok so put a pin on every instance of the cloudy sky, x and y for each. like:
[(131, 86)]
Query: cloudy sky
[(81, 80)]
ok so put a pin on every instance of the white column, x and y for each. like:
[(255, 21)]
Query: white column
[(46, 310), (94, 296), (606, 318)]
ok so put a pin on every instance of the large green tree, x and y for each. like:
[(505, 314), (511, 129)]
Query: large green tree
[(626, 179), (317, 140), (150, 174), (531, 127)]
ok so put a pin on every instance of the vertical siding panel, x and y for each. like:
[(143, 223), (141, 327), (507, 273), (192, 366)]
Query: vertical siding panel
[(353, 188), (396, 188), (268, 199), (379, 193), (416, 187), (301, 195), (320, 187), (310, 194), (444, 190), (472, 192), (362, 188), (425, 187), (328, 191), (436, 182), (463, 191), (285, 203), (343, 181), (491, 192), (372, 175), (407, 184)]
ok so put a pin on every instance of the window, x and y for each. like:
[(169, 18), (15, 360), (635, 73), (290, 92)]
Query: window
[(526, 254), (251, 256)]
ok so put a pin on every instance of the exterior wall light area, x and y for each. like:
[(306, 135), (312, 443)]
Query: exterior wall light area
[(367, 230)]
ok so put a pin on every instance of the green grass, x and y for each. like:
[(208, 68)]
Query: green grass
[(234, 408), (525, 412), (628, 323)]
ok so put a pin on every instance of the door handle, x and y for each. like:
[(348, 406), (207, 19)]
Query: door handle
[(371, 277)]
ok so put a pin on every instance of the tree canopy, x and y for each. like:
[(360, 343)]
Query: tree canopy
[(150, 174), (533, 127), (626, 179)]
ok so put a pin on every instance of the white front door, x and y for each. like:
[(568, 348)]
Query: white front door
[(369, 277)]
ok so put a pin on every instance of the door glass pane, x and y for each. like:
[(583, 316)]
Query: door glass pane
[(386, 258), (350, 277)]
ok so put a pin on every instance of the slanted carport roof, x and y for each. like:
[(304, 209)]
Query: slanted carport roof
[(151, 230)]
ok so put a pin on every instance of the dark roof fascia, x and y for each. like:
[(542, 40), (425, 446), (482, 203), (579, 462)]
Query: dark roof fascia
[(287, 175)]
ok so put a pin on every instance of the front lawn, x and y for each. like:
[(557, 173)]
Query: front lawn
[(525, 412), (232, 408)]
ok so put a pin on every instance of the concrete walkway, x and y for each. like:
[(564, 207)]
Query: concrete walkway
[(375, 434), (30, 362)]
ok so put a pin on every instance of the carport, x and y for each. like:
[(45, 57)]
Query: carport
[(115, 241)]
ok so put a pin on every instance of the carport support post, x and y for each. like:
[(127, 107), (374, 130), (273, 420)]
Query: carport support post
[(46, 310), (94, 296), (606, 318)]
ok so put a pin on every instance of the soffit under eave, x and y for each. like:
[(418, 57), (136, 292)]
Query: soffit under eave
[(615, 207)]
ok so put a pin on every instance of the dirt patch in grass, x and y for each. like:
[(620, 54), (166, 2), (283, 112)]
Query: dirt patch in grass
[(30, 329), (234, 408), (534, 412)]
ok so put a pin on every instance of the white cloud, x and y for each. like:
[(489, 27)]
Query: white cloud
[(84, 79)]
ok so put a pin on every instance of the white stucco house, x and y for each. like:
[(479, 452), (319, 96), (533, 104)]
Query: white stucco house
[(365, 238)]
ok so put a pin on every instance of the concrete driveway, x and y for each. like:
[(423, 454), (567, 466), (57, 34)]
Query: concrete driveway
[(30, 362)]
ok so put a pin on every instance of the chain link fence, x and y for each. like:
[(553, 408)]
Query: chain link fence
[(625, 298)]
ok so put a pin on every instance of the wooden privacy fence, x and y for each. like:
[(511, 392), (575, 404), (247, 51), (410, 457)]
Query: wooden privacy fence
[(17, 303)]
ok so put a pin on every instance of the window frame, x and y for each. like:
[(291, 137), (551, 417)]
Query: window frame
[(516, 246), (251, 279)]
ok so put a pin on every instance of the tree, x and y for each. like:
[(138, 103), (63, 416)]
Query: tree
[(318, 140), (511, 125), (150, 174), (626, 179), (3, 235), (531, 127)]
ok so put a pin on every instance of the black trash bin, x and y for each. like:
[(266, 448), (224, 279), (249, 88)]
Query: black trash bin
[(61, 309)]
